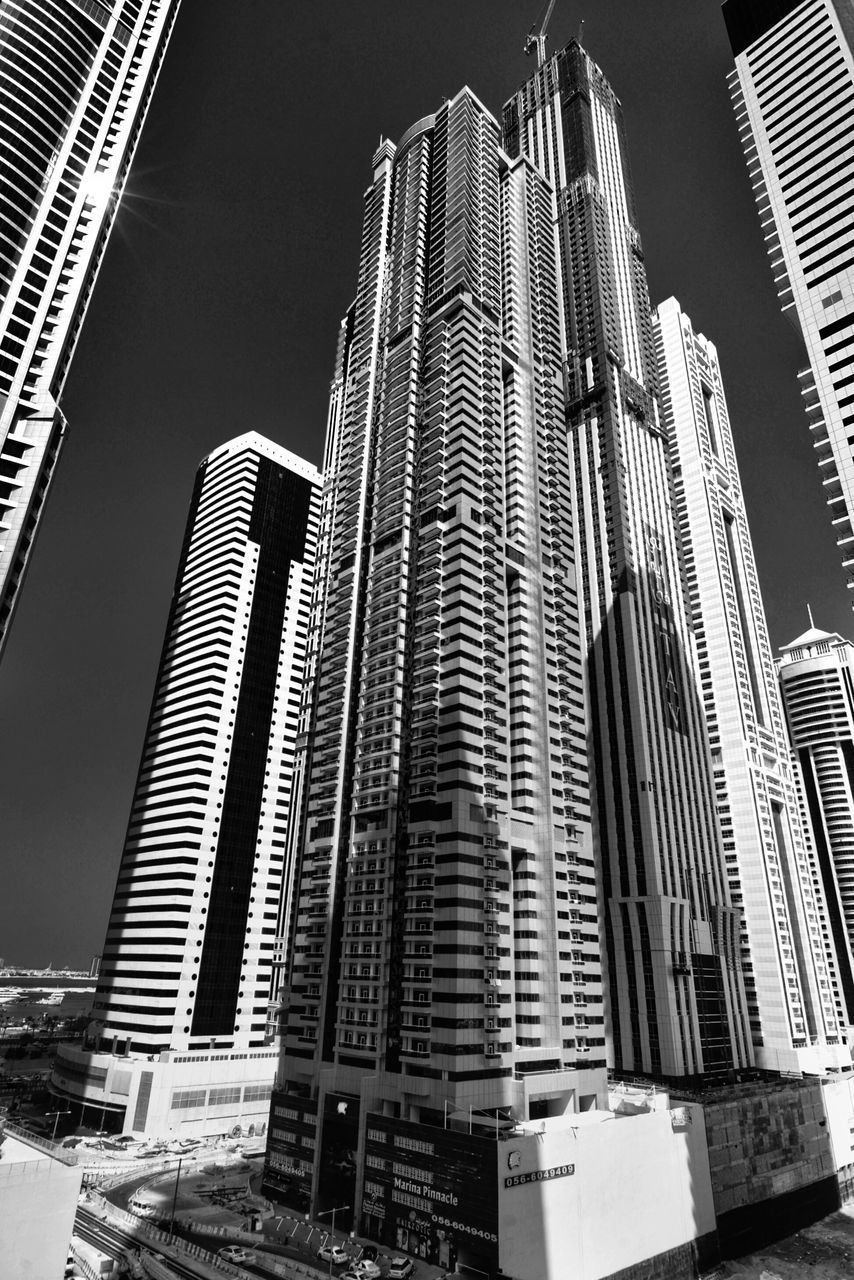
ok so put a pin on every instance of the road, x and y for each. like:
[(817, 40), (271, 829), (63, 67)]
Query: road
[(114, 1241)]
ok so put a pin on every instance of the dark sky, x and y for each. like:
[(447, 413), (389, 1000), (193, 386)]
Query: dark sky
[(216, 312)]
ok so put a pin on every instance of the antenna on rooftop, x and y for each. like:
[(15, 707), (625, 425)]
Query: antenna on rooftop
[(809, 615), (581, 31), (538, 41)]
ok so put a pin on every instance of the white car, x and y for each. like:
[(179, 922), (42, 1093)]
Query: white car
[(334, 1254), (233, 1253), (400, 1269), (366, 1269)]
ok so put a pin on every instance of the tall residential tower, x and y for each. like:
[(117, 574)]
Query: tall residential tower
[(189, 967), (76, 78), (446, 972), (671, 932), (790, 970), (793, 93), (817, 677), (496, 537)]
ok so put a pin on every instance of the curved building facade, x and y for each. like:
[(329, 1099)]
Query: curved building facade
[(76, 78), (189, 969), (817, 678)]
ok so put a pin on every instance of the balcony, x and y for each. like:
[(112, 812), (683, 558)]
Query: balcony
[(420, 1054)]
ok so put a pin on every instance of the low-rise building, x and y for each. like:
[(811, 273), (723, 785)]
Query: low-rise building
[(39, 1186)]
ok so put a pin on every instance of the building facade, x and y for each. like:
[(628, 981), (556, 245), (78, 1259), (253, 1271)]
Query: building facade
[(39, 1188), (497, 538), (788, 959), (190, 963), (793, 93), (670, 928), (445, 968), (817, 679), (76, 78)]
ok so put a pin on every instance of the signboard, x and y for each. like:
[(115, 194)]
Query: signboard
[(540, 1175), (425, 1190), (469, 1230)]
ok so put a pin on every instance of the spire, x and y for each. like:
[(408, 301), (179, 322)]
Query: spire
[(809, 615)]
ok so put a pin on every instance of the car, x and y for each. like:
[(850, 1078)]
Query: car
[(334, 1254), (400, 1269), (233, 1253), (367, 1269), (370, 1253)]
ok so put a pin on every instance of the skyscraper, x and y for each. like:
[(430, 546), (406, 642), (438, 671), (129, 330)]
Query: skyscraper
[(789, 962), (478, 566), (76, 78), (446, 940), (671, 932), (189, 963), (793, 93), (818, 692)]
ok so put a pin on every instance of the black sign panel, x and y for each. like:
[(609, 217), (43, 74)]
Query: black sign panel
[(432, 1192), (339, 1142)]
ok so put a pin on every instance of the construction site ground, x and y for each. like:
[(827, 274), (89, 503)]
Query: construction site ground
[(824, 1251)]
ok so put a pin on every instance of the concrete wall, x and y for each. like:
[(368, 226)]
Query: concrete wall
[(762, 1144), (781, 1156), (38, 1201), (839, 1108), (626, 1190)]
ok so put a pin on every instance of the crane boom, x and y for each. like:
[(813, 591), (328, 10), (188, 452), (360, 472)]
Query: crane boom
[(538, 41)]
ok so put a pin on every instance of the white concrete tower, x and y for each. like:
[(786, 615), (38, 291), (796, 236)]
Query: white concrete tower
[(76, 78), (671, 931), (188, 967), (793, 93), (788, 958), (446, 957)]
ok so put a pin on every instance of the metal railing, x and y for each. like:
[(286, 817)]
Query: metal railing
[(54, 1149)]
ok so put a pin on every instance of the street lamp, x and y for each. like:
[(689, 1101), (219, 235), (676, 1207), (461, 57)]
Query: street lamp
[(56, 1115), (338, 1209), (175, 1200)]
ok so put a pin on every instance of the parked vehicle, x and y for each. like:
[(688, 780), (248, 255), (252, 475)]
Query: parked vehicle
[(234, 1253), (334, 1254), (367, 1269), (401, 1269)]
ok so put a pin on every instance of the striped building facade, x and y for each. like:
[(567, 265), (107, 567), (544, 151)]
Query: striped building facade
[(817, 680), (446, 941), (76, 78), (797, 1020), (671, 930), (793, 94), (190, 960)]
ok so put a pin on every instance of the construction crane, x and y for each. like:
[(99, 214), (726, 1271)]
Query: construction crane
[(538, 42)]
